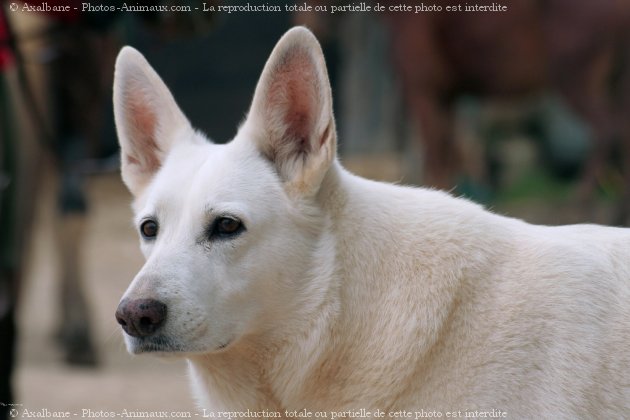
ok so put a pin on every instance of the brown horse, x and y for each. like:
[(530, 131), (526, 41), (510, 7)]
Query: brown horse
[(580, 49)]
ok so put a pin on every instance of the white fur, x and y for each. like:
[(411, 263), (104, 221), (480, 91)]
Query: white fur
[(345, 293)]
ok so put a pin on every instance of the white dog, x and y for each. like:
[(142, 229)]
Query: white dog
[(289, 283)]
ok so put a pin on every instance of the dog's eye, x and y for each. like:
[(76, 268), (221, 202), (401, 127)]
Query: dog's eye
[(149, 229), (226, 226)]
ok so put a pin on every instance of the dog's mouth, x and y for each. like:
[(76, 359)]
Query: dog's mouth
[(158, 345), (161, 345)]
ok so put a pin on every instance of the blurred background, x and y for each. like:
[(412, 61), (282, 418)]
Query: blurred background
[(526, 111)]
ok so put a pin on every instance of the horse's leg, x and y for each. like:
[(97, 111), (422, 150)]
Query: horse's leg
[(586, 89), (73, 92), (75, 331), (441, 157), (622, 216), (425, 77), (8, 280), (8, 274)]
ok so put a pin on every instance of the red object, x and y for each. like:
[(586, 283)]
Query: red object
[(5, 53)]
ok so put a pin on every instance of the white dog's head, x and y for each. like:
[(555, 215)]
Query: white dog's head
[(230, 231)]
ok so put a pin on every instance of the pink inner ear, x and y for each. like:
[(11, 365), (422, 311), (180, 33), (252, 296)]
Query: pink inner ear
[(144, 150), (292, 99)]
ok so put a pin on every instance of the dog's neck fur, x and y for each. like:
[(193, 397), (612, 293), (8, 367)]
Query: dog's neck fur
[(278, 372)]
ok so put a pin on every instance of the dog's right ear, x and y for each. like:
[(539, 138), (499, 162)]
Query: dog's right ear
[(148, 121)]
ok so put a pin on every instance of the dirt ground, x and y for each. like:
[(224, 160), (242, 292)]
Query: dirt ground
[(111, 258)]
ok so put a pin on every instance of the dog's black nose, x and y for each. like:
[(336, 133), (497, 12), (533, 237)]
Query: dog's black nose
[(141, 317)]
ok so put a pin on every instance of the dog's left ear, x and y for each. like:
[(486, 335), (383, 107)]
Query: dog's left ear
[(291, 117)]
